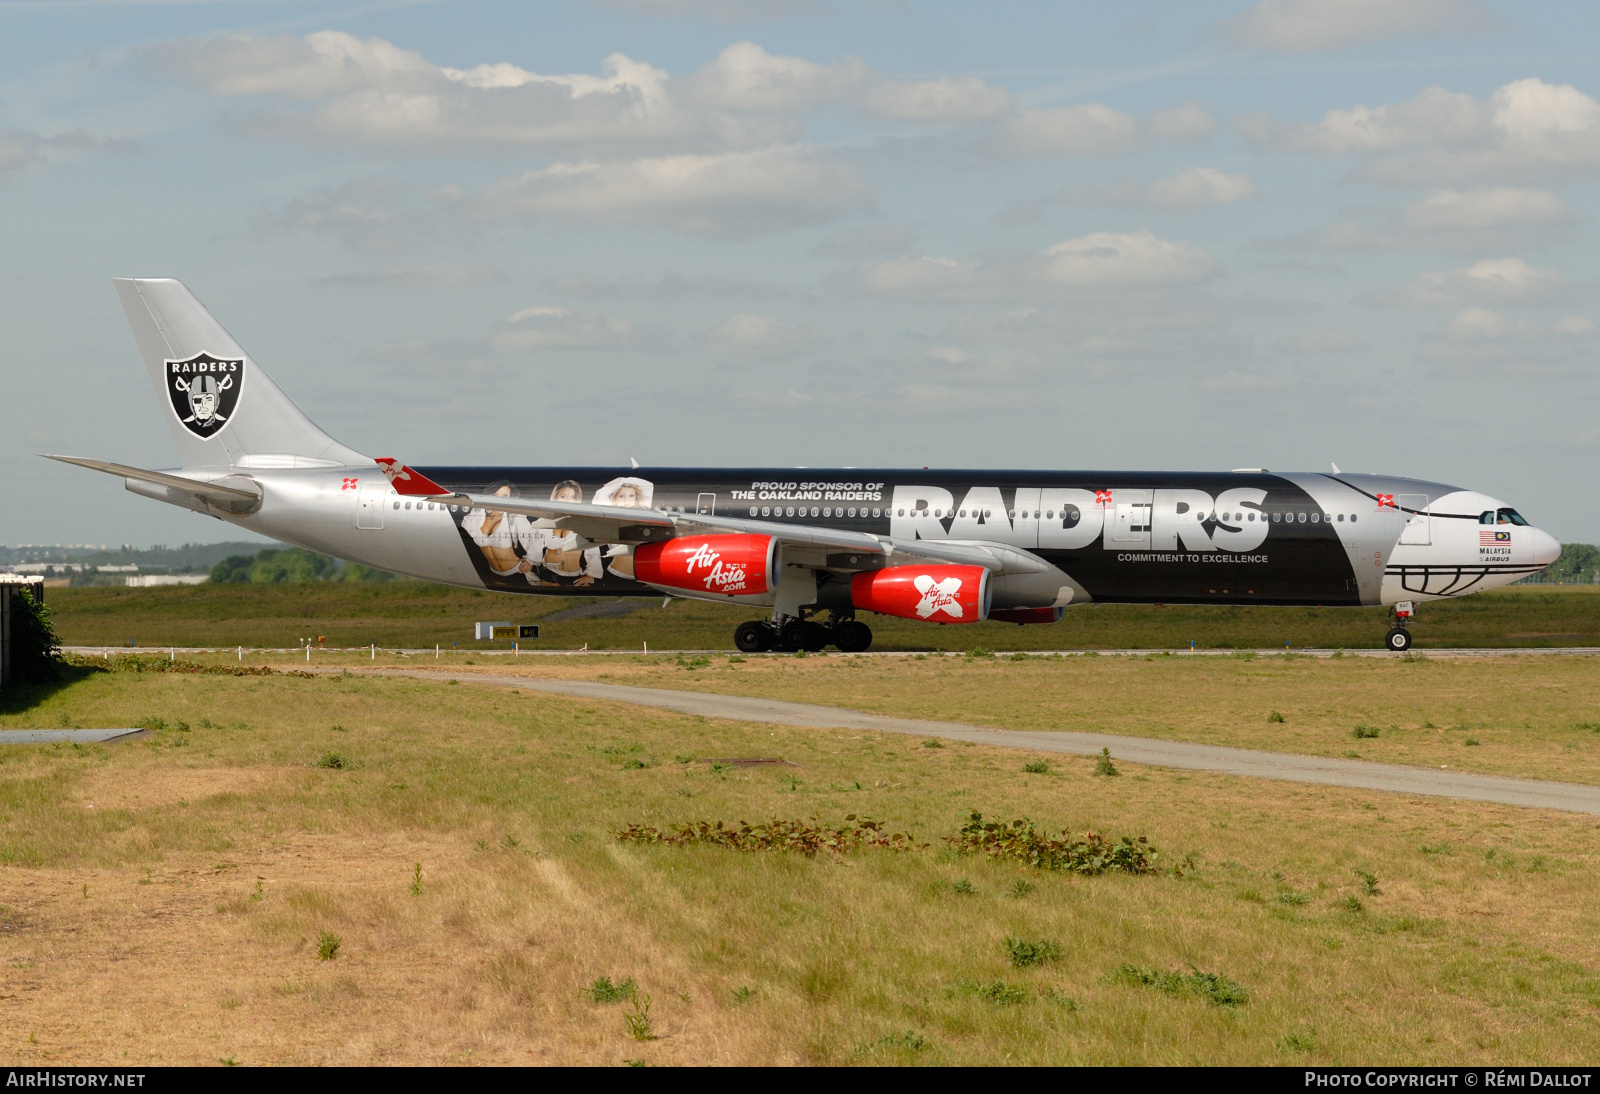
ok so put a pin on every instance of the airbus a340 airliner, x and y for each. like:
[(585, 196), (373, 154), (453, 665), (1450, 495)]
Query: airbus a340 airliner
[(942, 546)]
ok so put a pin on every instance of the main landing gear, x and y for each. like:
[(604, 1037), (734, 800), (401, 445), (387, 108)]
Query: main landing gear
[(795, 634), (1399, 638)]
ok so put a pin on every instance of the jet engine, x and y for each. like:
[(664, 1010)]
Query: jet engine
[(937, 594), (731, 565)]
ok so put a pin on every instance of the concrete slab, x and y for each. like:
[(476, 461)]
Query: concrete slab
[(52, 736)]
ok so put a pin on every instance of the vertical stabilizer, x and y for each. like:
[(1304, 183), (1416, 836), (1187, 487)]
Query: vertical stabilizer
[(223, 410)]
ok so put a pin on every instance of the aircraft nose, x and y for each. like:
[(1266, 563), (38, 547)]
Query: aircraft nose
[(1546, 549)]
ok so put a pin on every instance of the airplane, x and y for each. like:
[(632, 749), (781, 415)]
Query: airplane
[(941, 546)]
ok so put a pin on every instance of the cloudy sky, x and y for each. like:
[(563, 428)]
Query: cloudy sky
[(816, 232)]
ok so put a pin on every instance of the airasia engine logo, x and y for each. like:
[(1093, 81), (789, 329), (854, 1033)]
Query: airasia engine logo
[(732, 565), (937, 594)]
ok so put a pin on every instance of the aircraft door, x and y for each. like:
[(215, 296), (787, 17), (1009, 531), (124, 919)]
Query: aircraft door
[(369, 504), (1418, 530), (1130, 520), (706, 506)]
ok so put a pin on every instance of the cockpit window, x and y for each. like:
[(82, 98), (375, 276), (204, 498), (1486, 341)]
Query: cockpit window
[(1486, 517), (1510, 516)]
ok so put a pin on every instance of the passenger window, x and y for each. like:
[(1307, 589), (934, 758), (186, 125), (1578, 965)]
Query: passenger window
[(752, 510), (1315, 517), (1276, 517), (1341, 518), (963, 512), (1302, 518), (397, 505), (1352, 518)]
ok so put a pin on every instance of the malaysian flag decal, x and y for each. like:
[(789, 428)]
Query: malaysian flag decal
[(1493, 539)]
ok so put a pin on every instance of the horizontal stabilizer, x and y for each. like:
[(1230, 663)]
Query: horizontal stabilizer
[(236, 497)]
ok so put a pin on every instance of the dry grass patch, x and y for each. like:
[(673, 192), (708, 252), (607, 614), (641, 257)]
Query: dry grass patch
[(469, 871)]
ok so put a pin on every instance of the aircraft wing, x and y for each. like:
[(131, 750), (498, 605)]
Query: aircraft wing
[(804, 544)]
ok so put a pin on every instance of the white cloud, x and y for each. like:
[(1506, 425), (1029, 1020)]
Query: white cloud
[(747, 335), (1526, 128), (1113, 260), (1478, 336), (372, 92), (1319, 342), (1501, 207), (1487, 219), (1305, 26), (1191, 188), (721, 11), (1100, 261), (20, 149), (746, 78), (1199, 186), (379, 216), (542, 327), (669, 287), (433, 275), (1492, 281), (1083, 129), (729, 194)]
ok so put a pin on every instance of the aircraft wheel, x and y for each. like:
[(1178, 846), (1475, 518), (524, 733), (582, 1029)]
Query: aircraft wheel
[(1398, 640), (793, 638), (752, 637), (852, 637), (816, 637)]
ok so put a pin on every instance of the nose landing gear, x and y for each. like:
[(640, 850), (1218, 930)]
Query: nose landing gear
[(1399, 638), (799, 633)]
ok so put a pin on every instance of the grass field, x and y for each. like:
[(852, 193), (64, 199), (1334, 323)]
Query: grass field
[(416, 615), (165, 899)]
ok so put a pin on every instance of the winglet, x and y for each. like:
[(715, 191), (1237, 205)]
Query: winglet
[(1335, 467), (407, 481)]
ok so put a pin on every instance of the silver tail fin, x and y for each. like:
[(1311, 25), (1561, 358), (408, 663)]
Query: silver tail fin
[(223, 410)]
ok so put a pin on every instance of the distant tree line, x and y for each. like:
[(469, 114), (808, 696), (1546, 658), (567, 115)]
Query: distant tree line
[(291, 566), (1579, 564)]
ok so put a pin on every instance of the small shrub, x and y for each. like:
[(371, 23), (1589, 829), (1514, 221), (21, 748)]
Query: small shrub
[(1103, 764), (1090, 854), (1435, 848), (328, 945), (416, 880), (1213, 988), (604, 991), (1350, 904), (1036, 767), (636, 764), (776, 835), (1025, 954), (1294, 898), (1369, 882), (640, 1028), (743, 995), (931, 743), (1021, 888), (909, 1041), (965, 887), (1060, 999), (1275, 716), (332, 760), (998, 992), (1364, 731), (1472, 742), (1300, 1042)]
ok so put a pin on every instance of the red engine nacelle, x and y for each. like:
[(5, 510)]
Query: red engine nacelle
[(937, 594), (732, 565)]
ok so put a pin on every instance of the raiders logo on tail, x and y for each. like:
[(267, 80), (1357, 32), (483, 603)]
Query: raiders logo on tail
[(204, 391)]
